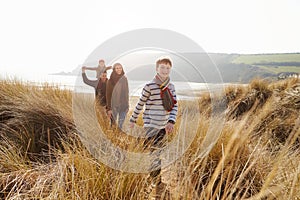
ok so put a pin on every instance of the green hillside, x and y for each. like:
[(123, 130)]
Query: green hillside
[(274, 63), (267, 58)]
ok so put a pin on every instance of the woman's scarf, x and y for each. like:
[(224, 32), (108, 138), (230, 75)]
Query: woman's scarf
[(114, 77), (119, 91)]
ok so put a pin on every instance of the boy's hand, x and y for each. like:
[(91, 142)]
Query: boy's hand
[(131, 125), (83, 69), (169, 127), (109, 114), (108, 67)]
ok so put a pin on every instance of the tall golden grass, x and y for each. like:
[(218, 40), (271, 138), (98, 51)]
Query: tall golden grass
[(256, 155)]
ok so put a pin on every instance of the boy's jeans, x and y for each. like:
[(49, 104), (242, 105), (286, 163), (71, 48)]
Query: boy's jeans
[(155, 141)]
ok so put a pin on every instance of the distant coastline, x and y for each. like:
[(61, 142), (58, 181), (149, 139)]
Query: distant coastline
[(62, 73), (233, 68)]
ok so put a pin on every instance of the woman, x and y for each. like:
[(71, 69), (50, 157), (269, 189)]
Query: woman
[(117, 95)]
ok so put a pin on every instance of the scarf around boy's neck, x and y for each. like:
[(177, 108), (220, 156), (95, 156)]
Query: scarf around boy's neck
[(162, 84)]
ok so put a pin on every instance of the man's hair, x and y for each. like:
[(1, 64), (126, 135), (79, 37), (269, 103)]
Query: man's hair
[(163, 60), (101, 60)]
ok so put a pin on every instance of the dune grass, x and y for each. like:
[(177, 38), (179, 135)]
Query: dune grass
[(255, 156)]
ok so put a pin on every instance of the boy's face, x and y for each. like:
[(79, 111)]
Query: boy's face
[(164, 70), (101, 63)]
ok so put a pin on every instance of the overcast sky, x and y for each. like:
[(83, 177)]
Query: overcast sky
[(41, 36)]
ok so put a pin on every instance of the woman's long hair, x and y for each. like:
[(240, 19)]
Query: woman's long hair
[(114, 77)]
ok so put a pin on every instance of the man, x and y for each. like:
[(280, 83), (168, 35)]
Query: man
[(99, 85)]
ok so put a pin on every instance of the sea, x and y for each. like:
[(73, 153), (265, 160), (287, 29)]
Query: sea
[(184, 90)]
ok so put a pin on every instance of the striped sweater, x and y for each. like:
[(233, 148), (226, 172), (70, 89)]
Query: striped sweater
[(155, 115)]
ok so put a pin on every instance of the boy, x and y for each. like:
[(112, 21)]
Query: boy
[(160, 114), (100, 68)]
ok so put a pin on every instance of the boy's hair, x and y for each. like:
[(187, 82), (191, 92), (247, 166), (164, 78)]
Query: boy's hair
[(163, 60), (101, 60)]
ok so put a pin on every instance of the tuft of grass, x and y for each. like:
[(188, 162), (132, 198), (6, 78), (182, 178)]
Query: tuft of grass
[(35, 118)]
